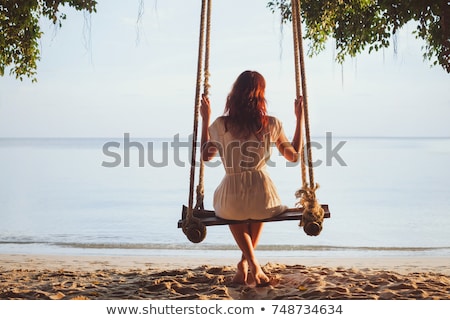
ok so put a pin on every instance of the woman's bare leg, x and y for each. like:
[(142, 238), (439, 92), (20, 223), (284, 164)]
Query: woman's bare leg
[(255, 230), (247, 237)]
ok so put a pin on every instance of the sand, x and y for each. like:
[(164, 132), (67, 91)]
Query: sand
[(38, 277)]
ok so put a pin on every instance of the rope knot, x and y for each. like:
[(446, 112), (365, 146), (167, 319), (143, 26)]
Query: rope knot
[(313, 213), (200, 197), (193, 227)]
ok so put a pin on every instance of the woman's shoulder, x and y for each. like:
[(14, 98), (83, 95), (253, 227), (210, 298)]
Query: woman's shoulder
[(217, 126), (275, 127), (274, 121), (219, 121)]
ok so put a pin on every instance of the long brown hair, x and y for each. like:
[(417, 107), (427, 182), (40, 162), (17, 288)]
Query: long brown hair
[(245, 109)]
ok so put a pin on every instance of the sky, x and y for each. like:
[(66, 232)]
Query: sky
[(107, 74)]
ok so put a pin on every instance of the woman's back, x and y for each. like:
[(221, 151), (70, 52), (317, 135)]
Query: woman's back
[(246, 191), (251, 153)]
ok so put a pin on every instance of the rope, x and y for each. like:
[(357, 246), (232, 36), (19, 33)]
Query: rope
[(298, 82), (201, 49), (313, 214), (200, 186), (207, 49)]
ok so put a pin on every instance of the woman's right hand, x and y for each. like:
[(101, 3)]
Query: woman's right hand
[(205, 108)]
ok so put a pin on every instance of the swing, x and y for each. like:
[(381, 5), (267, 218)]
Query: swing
[(194, 218)]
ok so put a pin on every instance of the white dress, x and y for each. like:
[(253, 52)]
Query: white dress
[(246, 191)]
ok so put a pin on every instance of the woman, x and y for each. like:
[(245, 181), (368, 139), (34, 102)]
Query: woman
[(243, 138)]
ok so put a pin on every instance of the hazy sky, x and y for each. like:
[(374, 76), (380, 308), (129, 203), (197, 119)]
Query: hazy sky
[(106, 74)]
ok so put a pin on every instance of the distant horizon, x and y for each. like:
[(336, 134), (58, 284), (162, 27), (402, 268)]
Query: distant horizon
[(170, 137), (184, 138)]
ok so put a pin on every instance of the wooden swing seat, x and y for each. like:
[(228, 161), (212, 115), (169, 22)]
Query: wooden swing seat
[(209, 218)]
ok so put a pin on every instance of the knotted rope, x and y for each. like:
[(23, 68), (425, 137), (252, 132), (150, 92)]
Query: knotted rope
[(313, 214), (192, 226), (200, 188)]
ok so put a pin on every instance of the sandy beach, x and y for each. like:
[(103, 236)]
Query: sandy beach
[(58, 277)]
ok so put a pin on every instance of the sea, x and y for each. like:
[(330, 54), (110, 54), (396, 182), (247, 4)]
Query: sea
[(123, 196)]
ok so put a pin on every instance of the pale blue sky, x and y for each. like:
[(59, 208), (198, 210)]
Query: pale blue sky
[(104, 82)]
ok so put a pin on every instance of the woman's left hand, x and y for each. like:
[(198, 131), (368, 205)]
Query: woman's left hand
[(205, 108)]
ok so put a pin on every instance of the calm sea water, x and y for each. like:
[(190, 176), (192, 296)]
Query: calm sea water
[(387, 196)]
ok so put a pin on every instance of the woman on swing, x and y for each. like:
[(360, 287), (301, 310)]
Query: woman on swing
[(243, 138)]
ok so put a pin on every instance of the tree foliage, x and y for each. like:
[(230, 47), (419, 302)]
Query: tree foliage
[(354, 24), (357, 25), (20, 31)]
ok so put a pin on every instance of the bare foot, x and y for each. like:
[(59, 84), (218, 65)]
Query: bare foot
[(261, 279), (250, 279), (241, 273)]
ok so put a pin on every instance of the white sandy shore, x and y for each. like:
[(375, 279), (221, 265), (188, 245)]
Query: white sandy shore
[(57, 277)]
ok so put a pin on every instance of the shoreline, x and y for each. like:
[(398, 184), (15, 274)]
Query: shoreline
[(403, 265)]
